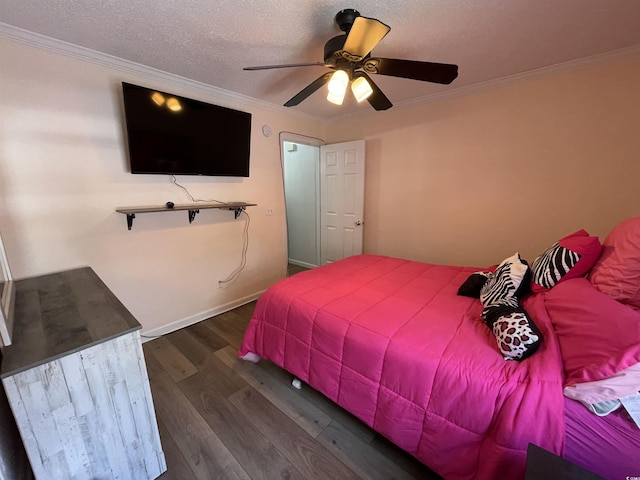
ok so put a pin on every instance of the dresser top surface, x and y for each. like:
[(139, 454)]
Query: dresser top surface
[(59, 314)]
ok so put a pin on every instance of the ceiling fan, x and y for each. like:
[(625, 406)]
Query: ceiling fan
[(349, 55)]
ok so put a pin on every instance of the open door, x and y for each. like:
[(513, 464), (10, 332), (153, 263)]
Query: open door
[(341, 200)]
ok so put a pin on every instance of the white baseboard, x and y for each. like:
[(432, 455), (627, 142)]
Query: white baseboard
[(185, 322)]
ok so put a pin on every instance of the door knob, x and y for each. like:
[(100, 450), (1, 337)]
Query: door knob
[(358, 223)]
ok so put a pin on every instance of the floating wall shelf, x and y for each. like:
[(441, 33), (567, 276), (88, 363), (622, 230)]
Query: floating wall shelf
[(192, 209)]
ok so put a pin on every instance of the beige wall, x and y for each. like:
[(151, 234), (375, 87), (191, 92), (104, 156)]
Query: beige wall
[(64, 171), (472, 179)]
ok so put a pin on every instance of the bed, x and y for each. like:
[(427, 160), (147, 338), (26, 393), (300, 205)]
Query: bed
[(393, 342)]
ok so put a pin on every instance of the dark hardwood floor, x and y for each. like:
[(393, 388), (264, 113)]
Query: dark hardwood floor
[(224, 418), (293, 269)]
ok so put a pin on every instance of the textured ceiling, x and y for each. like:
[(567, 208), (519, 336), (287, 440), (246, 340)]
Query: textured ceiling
[(210, 41)]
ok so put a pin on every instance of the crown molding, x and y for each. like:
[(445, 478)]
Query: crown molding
[(103, 59), (65, 48), (571, 65)]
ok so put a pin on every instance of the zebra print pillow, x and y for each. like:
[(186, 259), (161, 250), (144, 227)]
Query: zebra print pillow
[(570, 257), (507, 283)]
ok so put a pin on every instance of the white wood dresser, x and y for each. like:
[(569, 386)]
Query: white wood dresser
[(77, 382)]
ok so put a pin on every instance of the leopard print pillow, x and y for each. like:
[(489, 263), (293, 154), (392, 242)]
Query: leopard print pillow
[(517, 336)]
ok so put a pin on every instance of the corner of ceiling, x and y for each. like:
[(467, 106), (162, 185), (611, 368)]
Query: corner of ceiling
[(81, 53)]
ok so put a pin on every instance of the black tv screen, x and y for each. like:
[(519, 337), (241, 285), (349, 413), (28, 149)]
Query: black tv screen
[(169, 134)]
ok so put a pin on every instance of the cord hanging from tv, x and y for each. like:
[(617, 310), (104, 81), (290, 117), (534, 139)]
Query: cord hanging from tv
[(173, 135)]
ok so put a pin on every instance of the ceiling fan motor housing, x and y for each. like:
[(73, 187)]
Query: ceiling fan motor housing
[(344, 18), (332, 47)]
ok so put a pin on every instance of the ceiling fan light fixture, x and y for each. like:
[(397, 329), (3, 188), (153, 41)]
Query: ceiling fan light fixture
[(361, 89), (349, 56), (338, 87)]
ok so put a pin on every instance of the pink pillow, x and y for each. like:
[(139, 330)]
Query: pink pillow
[(617, 273), (571, 257), (598, 336)]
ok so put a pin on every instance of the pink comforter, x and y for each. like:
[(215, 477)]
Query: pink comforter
[(391, 342)]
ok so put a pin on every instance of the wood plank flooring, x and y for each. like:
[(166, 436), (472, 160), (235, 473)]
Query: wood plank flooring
[(224, 418)]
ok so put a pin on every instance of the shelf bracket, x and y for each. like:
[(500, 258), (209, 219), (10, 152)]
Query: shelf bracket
[(192, 214), (130, 217), (238, 210)]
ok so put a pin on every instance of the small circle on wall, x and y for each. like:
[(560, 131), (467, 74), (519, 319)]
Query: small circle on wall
[(266, 130)]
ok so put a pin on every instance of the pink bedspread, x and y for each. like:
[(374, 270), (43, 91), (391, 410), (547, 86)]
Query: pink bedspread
[(391, 342)]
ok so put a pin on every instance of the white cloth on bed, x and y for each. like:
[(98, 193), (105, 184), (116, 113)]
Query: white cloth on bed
[(602, 396)]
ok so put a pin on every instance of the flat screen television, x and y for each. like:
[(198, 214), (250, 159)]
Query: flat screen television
[(170, 134)]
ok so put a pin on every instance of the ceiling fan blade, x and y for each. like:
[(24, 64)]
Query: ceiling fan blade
[(289, 65), (426, 71), (365, 34), (309, 89), (377, 99)]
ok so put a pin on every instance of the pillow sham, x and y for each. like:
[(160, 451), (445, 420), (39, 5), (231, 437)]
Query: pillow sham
[(598, 335), (617, 272), (570, 257)]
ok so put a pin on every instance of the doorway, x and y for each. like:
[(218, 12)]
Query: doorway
[(301, 171), (324, 199)]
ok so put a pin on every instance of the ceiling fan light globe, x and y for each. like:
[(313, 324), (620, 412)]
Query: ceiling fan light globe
[(361, 89), (337, 99), (338, 83)]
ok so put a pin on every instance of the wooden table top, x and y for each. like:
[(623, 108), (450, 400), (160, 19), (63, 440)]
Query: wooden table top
[(59, 314)]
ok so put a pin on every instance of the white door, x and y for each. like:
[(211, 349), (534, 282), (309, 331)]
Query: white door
[(341, 200)]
